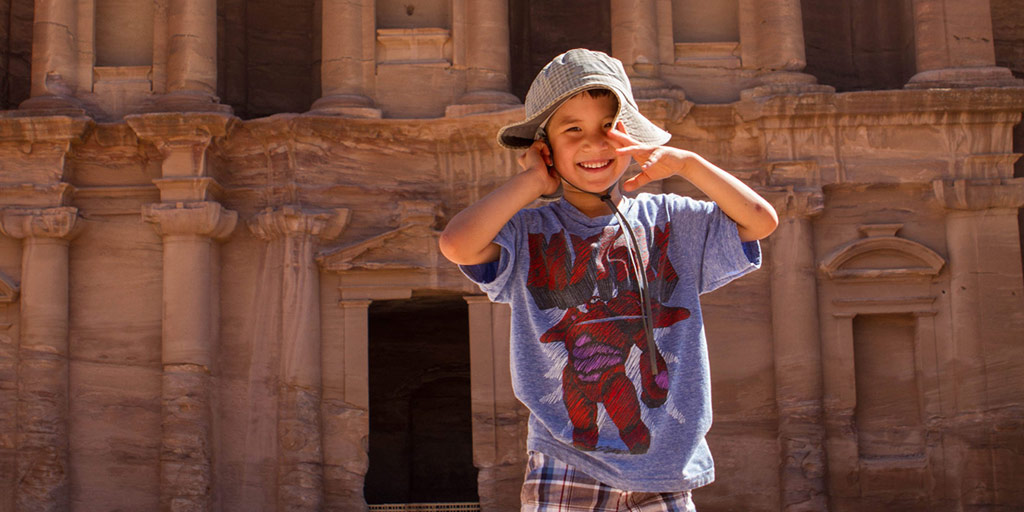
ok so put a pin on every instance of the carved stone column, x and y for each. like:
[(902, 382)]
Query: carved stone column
[(346, 403), (191, 57), (190, 223), (42, 419), (635, 42), (984, 263), (987, 309), (348, 59), (189, 231), (488, 59), (55, 57), (499, 421), (300, 454), (953, 45), (797, 349), (772, 43)]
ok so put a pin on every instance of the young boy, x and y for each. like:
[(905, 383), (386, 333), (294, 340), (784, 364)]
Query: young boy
[(607, 342)]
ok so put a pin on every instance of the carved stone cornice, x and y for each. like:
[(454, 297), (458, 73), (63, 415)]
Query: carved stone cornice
[(795, 202), (206, 219), (293, 220), (31, 129), (36, 196), (982, 194), (800, 174), (60, 222)]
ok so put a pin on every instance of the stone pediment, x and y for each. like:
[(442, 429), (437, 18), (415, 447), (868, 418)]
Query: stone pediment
[(8, 289), (411, 246), (882, 255)]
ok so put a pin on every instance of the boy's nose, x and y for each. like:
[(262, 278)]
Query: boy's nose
[(599, 139)]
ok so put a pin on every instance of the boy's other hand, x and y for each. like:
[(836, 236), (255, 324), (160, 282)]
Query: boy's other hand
[(656, 162), (537, 163)]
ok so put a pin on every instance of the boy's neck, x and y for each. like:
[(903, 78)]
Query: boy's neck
[(591, 205)]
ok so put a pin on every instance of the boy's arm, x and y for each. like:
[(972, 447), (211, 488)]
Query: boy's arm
[(468, 239), (754, 216)]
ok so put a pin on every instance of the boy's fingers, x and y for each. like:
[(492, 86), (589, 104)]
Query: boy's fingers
[(640, 153), (636, 182), (652, 159), (621, 137)]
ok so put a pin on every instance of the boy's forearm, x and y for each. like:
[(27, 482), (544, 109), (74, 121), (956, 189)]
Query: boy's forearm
[(468, 239), (754, 216)]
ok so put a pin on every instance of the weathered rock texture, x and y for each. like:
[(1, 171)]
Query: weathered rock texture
[(212, 218)]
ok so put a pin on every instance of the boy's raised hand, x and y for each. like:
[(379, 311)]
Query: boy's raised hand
[(656, 162), (537, 162), (755, 218)]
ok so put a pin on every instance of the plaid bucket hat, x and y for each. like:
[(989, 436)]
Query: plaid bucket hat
[(567, 75)]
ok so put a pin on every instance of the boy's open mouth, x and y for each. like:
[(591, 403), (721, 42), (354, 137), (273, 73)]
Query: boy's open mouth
[(595, 165)]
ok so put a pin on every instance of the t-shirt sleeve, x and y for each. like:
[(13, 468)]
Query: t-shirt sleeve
[(725, 257), (493, 277)]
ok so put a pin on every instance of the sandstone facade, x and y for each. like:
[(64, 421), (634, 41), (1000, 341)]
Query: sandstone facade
[(214, 212)]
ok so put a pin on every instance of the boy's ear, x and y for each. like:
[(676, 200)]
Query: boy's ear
[(545, 154)]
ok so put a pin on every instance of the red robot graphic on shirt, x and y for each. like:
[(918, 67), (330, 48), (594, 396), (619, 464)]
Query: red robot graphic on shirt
[(590, 280)]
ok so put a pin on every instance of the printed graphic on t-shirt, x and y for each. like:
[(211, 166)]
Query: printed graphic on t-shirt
[(590, 278)]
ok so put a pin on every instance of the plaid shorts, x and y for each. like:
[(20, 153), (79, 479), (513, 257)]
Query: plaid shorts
[(554, 486)]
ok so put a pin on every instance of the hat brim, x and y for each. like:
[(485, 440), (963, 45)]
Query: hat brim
[(522, 134)]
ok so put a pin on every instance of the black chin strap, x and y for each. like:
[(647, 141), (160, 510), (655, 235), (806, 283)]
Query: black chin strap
[(637, 263)]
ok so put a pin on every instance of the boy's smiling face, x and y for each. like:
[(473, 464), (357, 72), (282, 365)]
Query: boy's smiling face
[(581, 149)]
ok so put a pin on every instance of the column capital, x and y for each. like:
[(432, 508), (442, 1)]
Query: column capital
[(208, 219), (292, 220), (792, 201), (42, 144), (183, 140), (169, 129), (982, 194), (60, 223)]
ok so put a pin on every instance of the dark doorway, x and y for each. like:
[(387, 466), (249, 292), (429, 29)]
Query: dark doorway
[(540, 30), (859, 45), (421, 445)]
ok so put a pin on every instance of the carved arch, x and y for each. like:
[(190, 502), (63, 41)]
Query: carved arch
[(908, 259)]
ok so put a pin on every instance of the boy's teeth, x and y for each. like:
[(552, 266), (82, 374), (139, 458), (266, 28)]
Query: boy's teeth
[(594, 165)]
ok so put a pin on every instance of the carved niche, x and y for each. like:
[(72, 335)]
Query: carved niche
[(881, 325)]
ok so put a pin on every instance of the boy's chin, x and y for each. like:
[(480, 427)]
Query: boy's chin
[(595, 189)]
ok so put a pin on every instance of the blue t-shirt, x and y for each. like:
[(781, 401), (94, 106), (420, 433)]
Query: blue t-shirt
[(579, 351)]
